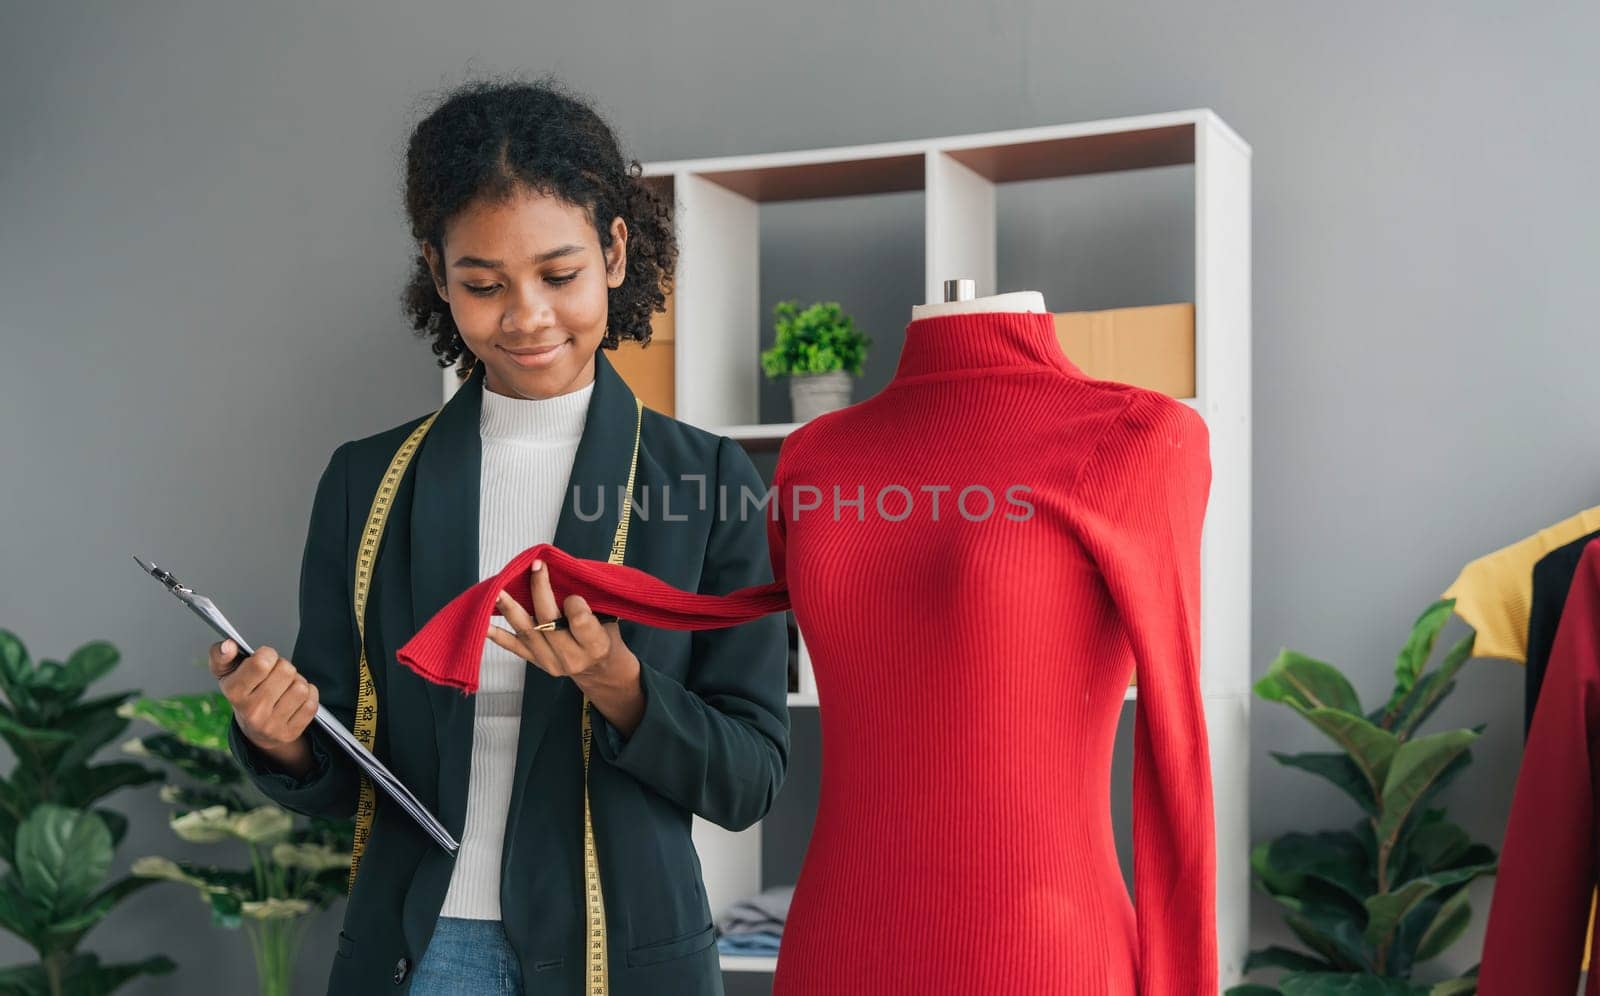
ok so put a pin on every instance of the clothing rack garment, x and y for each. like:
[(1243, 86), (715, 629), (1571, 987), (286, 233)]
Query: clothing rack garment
[(1536, 934), (1552, 580), (1493, 593)]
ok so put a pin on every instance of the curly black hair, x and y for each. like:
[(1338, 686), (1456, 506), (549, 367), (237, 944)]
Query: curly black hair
[(491, 139)]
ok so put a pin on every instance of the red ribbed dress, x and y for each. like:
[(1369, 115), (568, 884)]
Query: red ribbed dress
[(980, 557), (971, 671)]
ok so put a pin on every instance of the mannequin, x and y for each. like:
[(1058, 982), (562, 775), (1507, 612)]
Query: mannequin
[(971, 670), (980, 556), (958, 300)]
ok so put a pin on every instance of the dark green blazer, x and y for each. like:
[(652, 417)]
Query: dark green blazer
[(713, 741)]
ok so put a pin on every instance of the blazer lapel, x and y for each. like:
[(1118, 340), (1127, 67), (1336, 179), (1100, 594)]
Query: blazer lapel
[(444, 563), (590, 510)]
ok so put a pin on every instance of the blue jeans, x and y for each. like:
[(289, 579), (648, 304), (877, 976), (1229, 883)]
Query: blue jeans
[(468, 958)]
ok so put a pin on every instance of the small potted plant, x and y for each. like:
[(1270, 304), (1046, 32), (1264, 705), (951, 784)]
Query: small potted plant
[(817, 349)]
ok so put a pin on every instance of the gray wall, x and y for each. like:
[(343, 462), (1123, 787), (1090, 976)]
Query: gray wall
[(201, 244)]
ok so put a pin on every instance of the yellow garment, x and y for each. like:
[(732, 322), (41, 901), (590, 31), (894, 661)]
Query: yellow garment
[(1494, 593)]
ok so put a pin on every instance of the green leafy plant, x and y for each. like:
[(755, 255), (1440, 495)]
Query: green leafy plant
[(820, 339), (58, 845), (297, 868), (1371, 902)]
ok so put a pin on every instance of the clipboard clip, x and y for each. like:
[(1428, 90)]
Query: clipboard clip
[(165, 577), (203, 607), (370, 766)]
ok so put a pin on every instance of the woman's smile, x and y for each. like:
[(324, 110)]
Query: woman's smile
[(536, 357)]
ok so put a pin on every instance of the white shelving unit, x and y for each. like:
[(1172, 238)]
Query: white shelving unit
[(717, 377), (749, 963)]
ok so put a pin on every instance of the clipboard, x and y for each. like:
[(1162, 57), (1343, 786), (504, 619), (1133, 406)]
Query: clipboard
[(373, 768)]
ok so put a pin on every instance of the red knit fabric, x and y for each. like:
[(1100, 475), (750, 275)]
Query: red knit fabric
[(1535, 938), (449, 647), (971, 670)]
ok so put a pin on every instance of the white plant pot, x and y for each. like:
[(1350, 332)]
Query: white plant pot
[(813, 394)]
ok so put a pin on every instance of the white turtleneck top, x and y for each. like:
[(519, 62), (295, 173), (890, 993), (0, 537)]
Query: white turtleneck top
[(528, 451)]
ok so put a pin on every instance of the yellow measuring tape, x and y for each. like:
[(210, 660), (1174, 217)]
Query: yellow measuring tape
[(366, 694), (366, 724)]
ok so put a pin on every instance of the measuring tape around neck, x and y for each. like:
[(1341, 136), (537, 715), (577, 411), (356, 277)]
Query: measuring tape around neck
[(366, 718), (366, 725)]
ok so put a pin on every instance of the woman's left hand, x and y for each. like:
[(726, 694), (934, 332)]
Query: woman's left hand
[(591, 652)]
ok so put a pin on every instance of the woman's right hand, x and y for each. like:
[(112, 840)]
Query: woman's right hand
[(272, 703)]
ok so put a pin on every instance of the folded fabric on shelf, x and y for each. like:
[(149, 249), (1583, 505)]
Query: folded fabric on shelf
[(757, 914), (759, 943)]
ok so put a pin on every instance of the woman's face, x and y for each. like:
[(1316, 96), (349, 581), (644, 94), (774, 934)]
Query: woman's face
[(526, 282)]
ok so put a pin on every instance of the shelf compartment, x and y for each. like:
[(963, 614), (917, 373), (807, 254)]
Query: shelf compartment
[(809, 181), (749, 963), (1077, 155)]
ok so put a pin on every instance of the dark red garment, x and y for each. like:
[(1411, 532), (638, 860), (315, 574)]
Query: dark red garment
[(971, 662), (1540, 911)]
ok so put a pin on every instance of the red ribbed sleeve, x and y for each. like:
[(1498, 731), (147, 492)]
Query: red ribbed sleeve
[(1140, 501), (449, 647), (1540, 911)]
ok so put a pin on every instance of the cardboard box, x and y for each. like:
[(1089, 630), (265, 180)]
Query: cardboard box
[(1150, 347), (648, 370), (662, 323)]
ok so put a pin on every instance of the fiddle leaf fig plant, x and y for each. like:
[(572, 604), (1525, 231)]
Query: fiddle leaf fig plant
[(57, 844), (818, 339), (296, 868), (1372, 901)]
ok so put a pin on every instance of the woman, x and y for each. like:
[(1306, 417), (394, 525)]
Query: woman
[(538, 245)]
